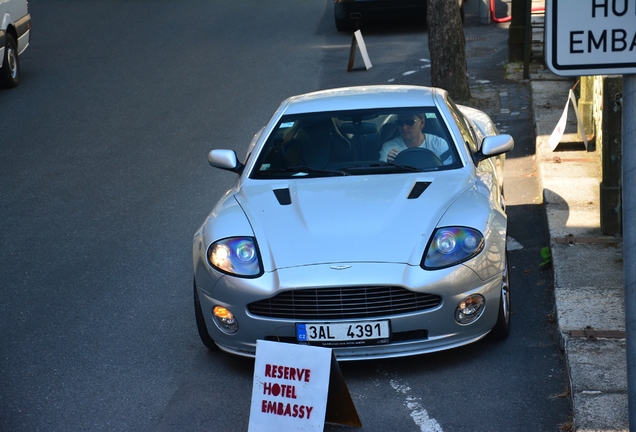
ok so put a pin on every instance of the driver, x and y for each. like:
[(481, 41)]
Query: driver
[(411, 136)]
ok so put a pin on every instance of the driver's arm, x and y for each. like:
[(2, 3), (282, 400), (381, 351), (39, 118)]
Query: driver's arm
[(389, 150), (384, 152)]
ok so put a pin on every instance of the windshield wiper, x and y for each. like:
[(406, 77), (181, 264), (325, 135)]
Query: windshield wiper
[(403, 168), (304, 169)]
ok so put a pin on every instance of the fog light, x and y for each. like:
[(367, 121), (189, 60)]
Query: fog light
[(224, 320), (470, 309)]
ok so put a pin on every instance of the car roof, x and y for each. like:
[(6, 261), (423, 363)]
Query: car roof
[(362, 97)]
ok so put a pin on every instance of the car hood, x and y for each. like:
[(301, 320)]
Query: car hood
[(348, 219)]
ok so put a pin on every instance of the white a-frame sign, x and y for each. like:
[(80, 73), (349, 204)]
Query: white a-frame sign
[(298, 388)]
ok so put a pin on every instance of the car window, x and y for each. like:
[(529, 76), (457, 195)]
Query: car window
[(355, 143), (465, 128)]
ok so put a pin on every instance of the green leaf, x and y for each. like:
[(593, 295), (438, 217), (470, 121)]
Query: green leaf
[(546, 255)]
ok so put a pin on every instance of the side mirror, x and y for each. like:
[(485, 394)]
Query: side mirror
[(225, 159), (494, 146)]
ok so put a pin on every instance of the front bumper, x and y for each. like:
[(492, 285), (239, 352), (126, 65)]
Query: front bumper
[(420, 332)]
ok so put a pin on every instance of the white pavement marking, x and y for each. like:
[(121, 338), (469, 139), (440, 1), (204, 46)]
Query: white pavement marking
[(411, 72), (513, 244), (417, 412)]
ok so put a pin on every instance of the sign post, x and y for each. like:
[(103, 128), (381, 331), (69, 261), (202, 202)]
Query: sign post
[(598, 37), (629, 237)]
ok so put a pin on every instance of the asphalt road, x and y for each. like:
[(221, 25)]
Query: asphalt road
[(104, 179)]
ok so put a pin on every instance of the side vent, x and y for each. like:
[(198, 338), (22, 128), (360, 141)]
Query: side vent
[(283, 196), (417, 190)]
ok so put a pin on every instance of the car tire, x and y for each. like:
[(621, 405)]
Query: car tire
[(201, 327), (10, 71), (501, 330)]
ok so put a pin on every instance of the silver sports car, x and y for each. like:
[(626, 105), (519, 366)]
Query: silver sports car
[(367, 219)]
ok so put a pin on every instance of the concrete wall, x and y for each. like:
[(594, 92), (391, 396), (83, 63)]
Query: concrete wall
[(601, 114)]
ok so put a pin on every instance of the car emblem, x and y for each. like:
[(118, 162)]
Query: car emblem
[(344, 267)]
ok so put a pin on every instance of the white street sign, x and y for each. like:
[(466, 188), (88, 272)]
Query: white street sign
[(291, 384), (590, 37)]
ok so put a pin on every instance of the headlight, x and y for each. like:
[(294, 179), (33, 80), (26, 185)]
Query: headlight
[(470, 309), (235, 255), (452, 245)]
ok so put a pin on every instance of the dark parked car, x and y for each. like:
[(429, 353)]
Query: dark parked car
[(350, 14)]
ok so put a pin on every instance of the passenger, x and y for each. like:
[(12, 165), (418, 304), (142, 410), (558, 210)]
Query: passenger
[(411, 136)]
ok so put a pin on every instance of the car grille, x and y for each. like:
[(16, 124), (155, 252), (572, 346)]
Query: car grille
[(343, 303)]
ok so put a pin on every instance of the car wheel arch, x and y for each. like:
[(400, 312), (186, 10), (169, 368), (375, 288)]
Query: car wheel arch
[(501, 330), (202, 328), (10, 71)]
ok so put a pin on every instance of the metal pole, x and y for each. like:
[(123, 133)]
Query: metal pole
[(527, 41), (484, 12), (629, 237)]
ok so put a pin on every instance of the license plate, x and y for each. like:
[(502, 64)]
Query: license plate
[(353, 333)]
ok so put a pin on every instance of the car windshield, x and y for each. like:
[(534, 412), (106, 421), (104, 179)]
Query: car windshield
[(381, 141)]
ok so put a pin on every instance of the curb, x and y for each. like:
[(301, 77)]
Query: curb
[(587, 266)]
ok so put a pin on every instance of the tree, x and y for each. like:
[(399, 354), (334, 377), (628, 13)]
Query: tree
[(447, 45)]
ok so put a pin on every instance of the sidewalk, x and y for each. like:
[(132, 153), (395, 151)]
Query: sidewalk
[(588, 266)]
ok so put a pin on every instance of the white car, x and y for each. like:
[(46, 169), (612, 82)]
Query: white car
[(15, 35), (368, 219)]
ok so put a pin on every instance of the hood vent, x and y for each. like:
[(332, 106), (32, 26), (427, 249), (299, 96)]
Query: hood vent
[(418, 188), (283, 196)]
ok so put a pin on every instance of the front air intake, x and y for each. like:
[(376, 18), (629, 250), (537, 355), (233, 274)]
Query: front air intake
[(344, 303)]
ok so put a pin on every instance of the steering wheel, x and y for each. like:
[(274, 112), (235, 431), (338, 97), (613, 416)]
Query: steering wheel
[(420, 158)]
